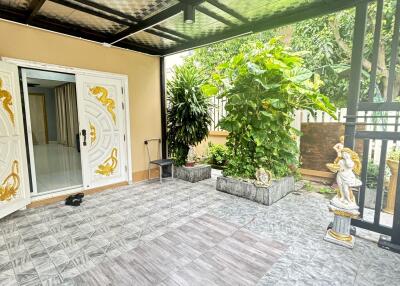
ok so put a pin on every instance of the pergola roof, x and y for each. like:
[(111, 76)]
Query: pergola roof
[(157, 26)]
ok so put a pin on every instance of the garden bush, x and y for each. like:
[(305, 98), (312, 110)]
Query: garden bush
[(263, 87), (188, 112), (217, 155), (372, 175)]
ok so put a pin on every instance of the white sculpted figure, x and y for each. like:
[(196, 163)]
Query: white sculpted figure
[(263, 177), (346, 179), (339, 146), (192, 155)]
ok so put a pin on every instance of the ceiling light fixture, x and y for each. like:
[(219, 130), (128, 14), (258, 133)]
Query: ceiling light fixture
[(189, 14)]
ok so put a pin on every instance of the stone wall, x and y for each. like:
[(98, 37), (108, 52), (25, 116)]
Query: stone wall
[(316, 144)]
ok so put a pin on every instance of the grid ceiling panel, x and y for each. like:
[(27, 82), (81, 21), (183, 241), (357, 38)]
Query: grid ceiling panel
[(255, 10), (203, 26), (17, 4), (178, 35), (151, 40), (74, 17), (220, 13), (139, 9)]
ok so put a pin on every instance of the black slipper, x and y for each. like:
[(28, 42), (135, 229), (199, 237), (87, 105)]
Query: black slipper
[(79, 196), (72, 201)]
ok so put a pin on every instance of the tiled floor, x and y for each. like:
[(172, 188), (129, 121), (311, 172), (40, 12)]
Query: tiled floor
[(180, 233), (57, 167)]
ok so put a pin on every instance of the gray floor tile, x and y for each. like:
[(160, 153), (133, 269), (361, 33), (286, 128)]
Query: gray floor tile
[(178, 233)]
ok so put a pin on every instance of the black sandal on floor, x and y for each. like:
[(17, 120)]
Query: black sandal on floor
[(79, 196), (73, 201)]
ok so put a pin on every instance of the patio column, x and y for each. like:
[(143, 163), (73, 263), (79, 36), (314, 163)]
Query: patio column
[(355, 73), (163, 109)]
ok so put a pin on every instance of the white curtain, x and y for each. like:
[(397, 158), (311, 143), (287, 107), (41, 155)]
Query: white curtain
[(66, 114)]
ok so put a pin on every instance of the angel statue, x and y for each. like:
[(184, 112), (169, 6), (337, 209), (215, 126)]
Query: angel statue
[(344, 165), (263, 177), (191, 156), (339, 146)]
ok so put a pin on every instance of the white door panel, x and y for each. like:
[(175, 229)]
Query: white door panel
[(14, 180), (101, 114)]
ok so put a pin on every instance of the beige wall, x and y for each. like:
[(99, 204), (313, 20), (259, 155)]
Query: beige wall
[(215, 137), (27, 43)]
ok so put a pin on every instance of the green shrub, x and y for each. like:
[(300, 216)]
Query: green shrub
[(217, 155), (188, 112), (394, 155), (263, 88), (309, 187), (372, 175)]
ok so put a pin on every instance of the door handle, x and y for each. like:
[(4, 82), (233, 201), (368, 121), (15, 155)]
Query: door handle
[(84, 137)]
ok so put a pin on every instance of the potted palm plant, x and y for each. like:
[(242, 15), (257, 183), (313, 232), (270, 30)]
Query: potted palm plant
[(393, 164), (189, 118)]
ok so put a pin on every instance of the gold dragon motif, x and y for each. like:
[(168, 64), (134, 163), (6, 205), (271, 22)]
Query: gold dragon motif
[(101, 94), (109, 165), (10, 185), (93, 134), (7, 101)]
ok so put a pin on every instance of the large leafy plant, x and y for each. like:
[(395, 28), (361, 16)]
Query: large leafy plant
[(188, 112), (263, 88)]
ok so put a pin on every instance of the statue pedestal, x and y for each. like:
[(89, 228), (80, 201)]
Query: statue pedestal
[(340, 231)]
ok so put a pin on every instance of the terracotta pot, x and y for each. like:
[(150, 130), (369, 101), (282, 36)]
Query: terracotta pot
[(190, 164), (391, 198)]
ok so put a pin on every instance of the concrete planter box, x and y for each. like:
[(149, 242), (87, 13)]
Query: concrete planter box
[(193, 174), (264, 195)]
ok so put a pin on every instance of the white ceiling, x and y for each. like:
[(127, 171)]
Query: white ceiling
[(45, 82)]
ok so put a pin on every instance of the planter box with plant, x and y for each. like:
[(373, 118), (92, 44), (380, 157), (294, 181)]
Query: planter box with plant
[(249, 189), (188, 115), (393, 163), (193, 174), (263, 88)]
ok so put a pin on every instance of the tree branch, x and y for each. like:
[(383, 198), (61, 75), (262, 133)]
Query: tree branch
[(333, 23)]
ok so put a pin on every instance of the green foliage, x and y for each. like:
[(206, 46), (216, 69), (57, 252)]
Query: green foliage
[(263, 88), (224, 50), (324, 55), (218, 155), (325, 191), (328, 42), (394, 155), (309, 187), (188, 112), (372, 175)]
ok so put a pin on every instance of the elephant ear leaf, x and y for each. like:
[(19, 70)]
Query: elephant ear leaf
[(299, 75), (209, 89)]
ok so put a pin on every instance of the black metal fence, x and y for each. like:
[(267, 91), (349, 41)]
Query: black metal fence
[(376, 115)]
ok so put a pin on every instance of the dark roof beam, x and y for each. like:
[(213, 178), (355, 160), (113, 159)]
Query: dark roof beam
[(33, 10), (267, 23), (153, 20), (163, 35), (92, 12), (71, 30), (88, 34), (166, 32), (172, 32), (107, 10), (228, 10), (215, 16)]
